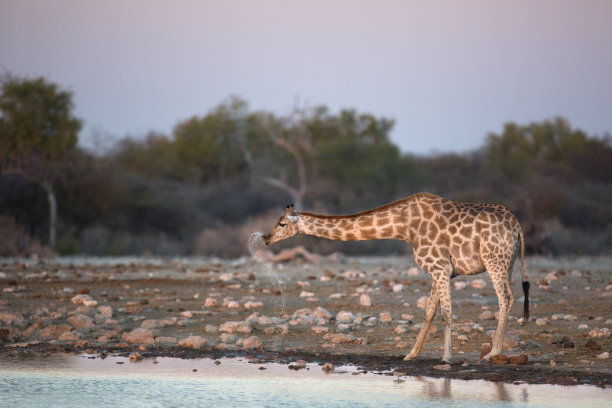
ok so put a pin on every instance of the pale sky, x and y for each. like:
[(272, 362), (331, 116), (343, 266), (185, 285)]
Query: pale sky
[(448, 72)]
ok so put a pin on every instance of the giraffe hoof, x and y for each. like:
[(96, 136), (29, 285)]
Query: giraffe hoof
[(486, 358), (409, 357)]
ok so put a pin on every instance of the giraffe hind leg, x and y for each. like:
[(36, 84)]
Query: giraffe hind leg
[(499, 277), (430, 312)]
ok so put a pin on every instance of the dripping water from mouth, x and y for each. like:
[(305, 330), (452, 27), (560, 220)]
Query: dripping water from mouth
[(255, 238)]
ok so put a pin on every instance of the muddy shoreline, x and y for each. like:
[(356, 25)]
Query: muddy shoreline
[(195, 308)]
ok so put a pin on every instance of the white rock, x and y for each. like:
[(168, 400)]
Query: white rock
[(385, 317), (253, 304), (252, 343), (460, 285), (337, 295), (193, 342), (609, 322), (414, 271), (139, 336), (80, 321), (364, 300), (605, 354), (422, 302), (597, 332), (186, 314), (401, 329), (306, 294), (479, 284), (235, 327), (84, 300), (344, 317), (583, 326), (105, 311), (398, 287), (210, 302), (487, 315), (541, 321), (322, 313), (551, 277)]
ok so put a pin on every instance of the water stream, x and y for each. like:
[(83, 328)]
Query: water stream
[(255, 239), (62, 380)]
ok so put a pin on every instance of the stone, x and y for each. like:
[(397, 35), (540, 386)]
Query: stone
[(188, 314), (69, 336), (139, 336), (583, 326), (499, 359), (105, 311), (210, 302), (521, 359), (592, 345), (337, 338), (79, 321), (84, 299), (541, 321), (322, 313), (478, 284), (235, 327), (344, 317), (10, 318), (364, 300), (319, 329), (487, 315), (135, 357), (422, 302), (400, 329), (328, 367), (413, 271), (603, 355), (398, 287), (460, 285), (252, 343), (165, 340), (251, 304), (442, 367), (385, 317), (53, 331), (597, 332), (229, 338), (195, 342)]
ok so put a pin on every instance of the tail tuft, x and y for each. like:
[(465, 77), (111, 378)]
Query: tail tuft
[(526, 304)]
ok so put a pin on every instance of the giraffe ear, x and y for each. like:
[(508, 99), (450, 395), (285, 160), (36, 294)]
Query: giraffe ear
[(289, 209), (292, 219)]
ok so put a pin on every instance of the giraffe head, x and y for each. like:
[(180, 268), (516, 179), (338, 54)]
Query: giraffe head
[(285, 227)]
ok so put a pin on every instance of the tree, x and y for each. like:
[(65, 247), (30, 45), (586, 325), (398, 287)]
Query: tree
[(38, 132)]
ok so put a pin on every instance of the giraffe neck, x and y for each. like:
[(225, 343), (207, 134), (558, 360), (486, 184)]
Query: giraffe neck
[(388, 222)]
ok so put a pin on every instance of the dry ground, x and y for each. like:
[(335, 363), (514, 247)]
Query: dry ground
[(570, 298)]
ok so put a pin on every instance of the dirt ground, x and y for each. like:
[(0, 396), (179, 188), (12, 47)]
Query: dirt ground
[(210, 308)]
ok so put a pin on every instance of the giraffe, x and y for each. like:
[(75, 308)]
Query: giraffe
[(448, 239)]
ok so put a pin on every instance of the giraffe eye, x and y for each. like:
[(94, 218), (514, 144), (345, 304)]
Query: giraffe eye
[(281, 224)]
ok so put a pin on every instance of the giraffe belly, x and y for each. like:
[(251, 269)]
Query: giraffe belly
[(469, 266)]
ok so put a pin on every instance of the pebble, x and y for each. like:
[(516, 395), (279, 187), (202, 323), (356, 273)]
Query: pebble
[(344, 317), (210, 302), (328, 367), (499, 359), (460, 285), (139, 336), (592, 345), (414, 271), (521, 359), (422, 302), (603, 355), (479, 284), (487, 315), (442, 367), (322, 313), (134, 357), (235, 327), (398, 287), (337, 338), (253, 304), (365, 300), (597, 332), (79, 321), (541, 321), (385, 317), (583, 326), (252, 343), (84, 299), (195, 342), (401, 329)]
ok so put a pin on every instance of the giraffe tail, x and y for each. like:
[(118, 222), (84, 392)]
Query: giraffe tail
[(526, 284)]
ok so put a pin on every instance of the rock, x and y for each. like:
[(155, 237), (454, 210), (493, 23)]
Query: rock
[(583, 326), (53, 331), (499, 359), (79, 321), (105, 311), (384, 317), (135, 357), (328, 367), (460, 285), (165, 340), (398, 287), (510, 341), (9, 334), (413, 271), (463, 337), (195, 342), (337, 338), (344, 317), (319, 329), (364, 300), (603, 355), (252, 343), (592, 345), (306, 294), (10, 318), (422, 302), (478, 284), (553, 363), (209, 328), (251, 304), (188, 314), (597, 332), (228, 338), (210, 302), (69, 336), (487, 315), (400, 329), (235, 327), (442, 367), (521, 359), (84, 299), (541, 321), (322, 313), (139, 336)]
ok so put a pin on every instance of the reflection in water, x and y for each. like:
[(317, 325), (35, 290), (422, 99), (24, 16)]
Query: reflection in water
[(74, 381)]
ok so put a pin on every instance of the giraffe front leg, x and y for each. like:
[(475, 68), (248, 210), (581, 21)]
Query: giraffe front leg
[(430, 312), (443, 287)]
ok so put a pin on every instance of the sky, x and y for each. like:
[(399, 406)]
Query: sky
[(447, 72)]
